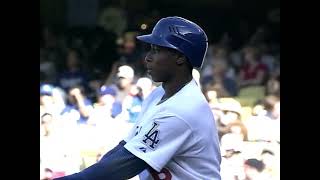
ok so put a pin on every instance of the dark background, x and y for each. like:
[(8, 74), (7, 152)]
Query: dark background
[(239, 18)]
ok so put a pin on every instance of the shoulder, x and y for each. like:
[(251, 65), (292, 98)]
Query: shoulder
[(155, 93), (190, 102)]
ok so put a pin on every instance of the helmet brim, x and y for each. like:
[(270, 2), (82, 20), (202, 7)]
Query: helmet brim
[(150, 39)]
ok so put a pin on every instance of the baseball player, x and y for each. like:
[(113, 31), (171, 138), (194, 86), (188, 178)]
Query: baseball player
[(175, 136)]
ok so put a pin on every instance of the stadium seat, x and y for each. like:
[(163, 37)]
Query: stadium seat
[(252, 91), (248, 96)]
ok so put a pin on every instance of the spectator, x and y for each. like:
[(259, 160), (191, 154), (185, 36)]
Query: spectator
[(146, 86), (253, 71), (47, 174), (232, 164), (133, 102), (107, 107), (46, 124), (271, 105), (121, 78), (264, 125), (78, 105), (95, 82), (233, 136), (217, 114), (219, 54), (266, 57), (236, 61), (253, 169), (47, 66), (59, 97), (224, 86), (74, 74), (231, 141), (49, 102), (232, 111), (63, 159), (258, 109), (238, 129), (231, 116), (273, 83), (46, 99), (211, 96), (107, 96), (270, 161)]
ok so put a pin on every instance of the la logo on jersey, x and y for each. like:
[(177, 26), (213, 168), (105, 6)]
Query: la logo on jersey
[(151, 138)]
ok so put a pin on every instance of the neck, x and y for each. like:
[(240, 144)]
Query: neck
[(174, 85)]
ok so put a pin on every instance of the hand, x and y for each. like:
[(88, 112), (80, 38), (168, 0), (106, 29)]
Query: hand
[(76, 92), (134, 90)]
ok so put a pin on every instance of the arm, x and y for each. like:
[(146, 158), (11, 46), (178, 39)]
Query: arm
[(112, 73), (118, 163), (83, 109)]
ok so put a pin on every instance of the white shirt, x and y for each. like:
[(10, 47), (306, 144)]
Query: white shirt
[(177, 138)]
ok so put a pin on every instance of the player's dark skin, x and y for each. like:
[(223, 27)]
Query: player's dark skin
[(170, 67)]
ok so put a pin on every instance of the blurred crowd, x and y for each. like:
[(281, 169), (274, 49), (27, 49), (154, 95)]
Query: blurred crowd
[(92, 88)]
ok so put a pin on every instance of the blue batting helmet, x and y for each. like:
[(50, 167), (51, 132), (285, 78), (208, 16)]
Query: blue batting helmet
[(182, 35)]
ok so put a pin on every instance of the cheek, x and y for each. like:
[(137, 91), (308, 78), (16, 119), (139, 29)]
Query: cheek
[(162, 67), (167, 63)]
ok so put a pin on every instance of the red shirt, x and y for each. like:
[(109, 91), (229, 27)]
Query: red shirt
[(251, 72)]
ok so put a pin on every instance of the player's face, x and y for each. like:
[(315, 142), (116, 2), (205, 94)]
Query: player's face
[(160, 64)]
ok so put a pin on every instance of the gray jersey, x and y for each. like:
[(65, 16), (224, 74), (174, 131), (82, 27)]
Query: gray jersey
[(177, 138)]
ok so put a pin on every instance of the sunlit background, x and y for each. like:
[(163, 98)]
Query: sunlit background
[(93, 80)]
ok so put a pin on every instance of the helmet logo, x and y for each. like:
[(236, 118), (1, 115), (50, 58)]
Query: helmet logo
[(174, 29)]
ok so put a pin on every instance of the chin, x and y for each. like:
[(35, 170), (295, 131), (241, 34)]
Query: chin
[(152, 78), (157, 80)]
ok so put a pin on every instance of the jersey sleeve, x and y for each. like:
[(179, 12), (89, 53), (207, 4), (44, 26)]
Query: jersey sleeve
[(118, 163), (159, 141)]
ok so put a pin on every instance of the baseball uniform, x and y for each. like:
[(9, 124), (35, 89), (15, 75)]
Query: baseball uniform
[(177, 138)]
